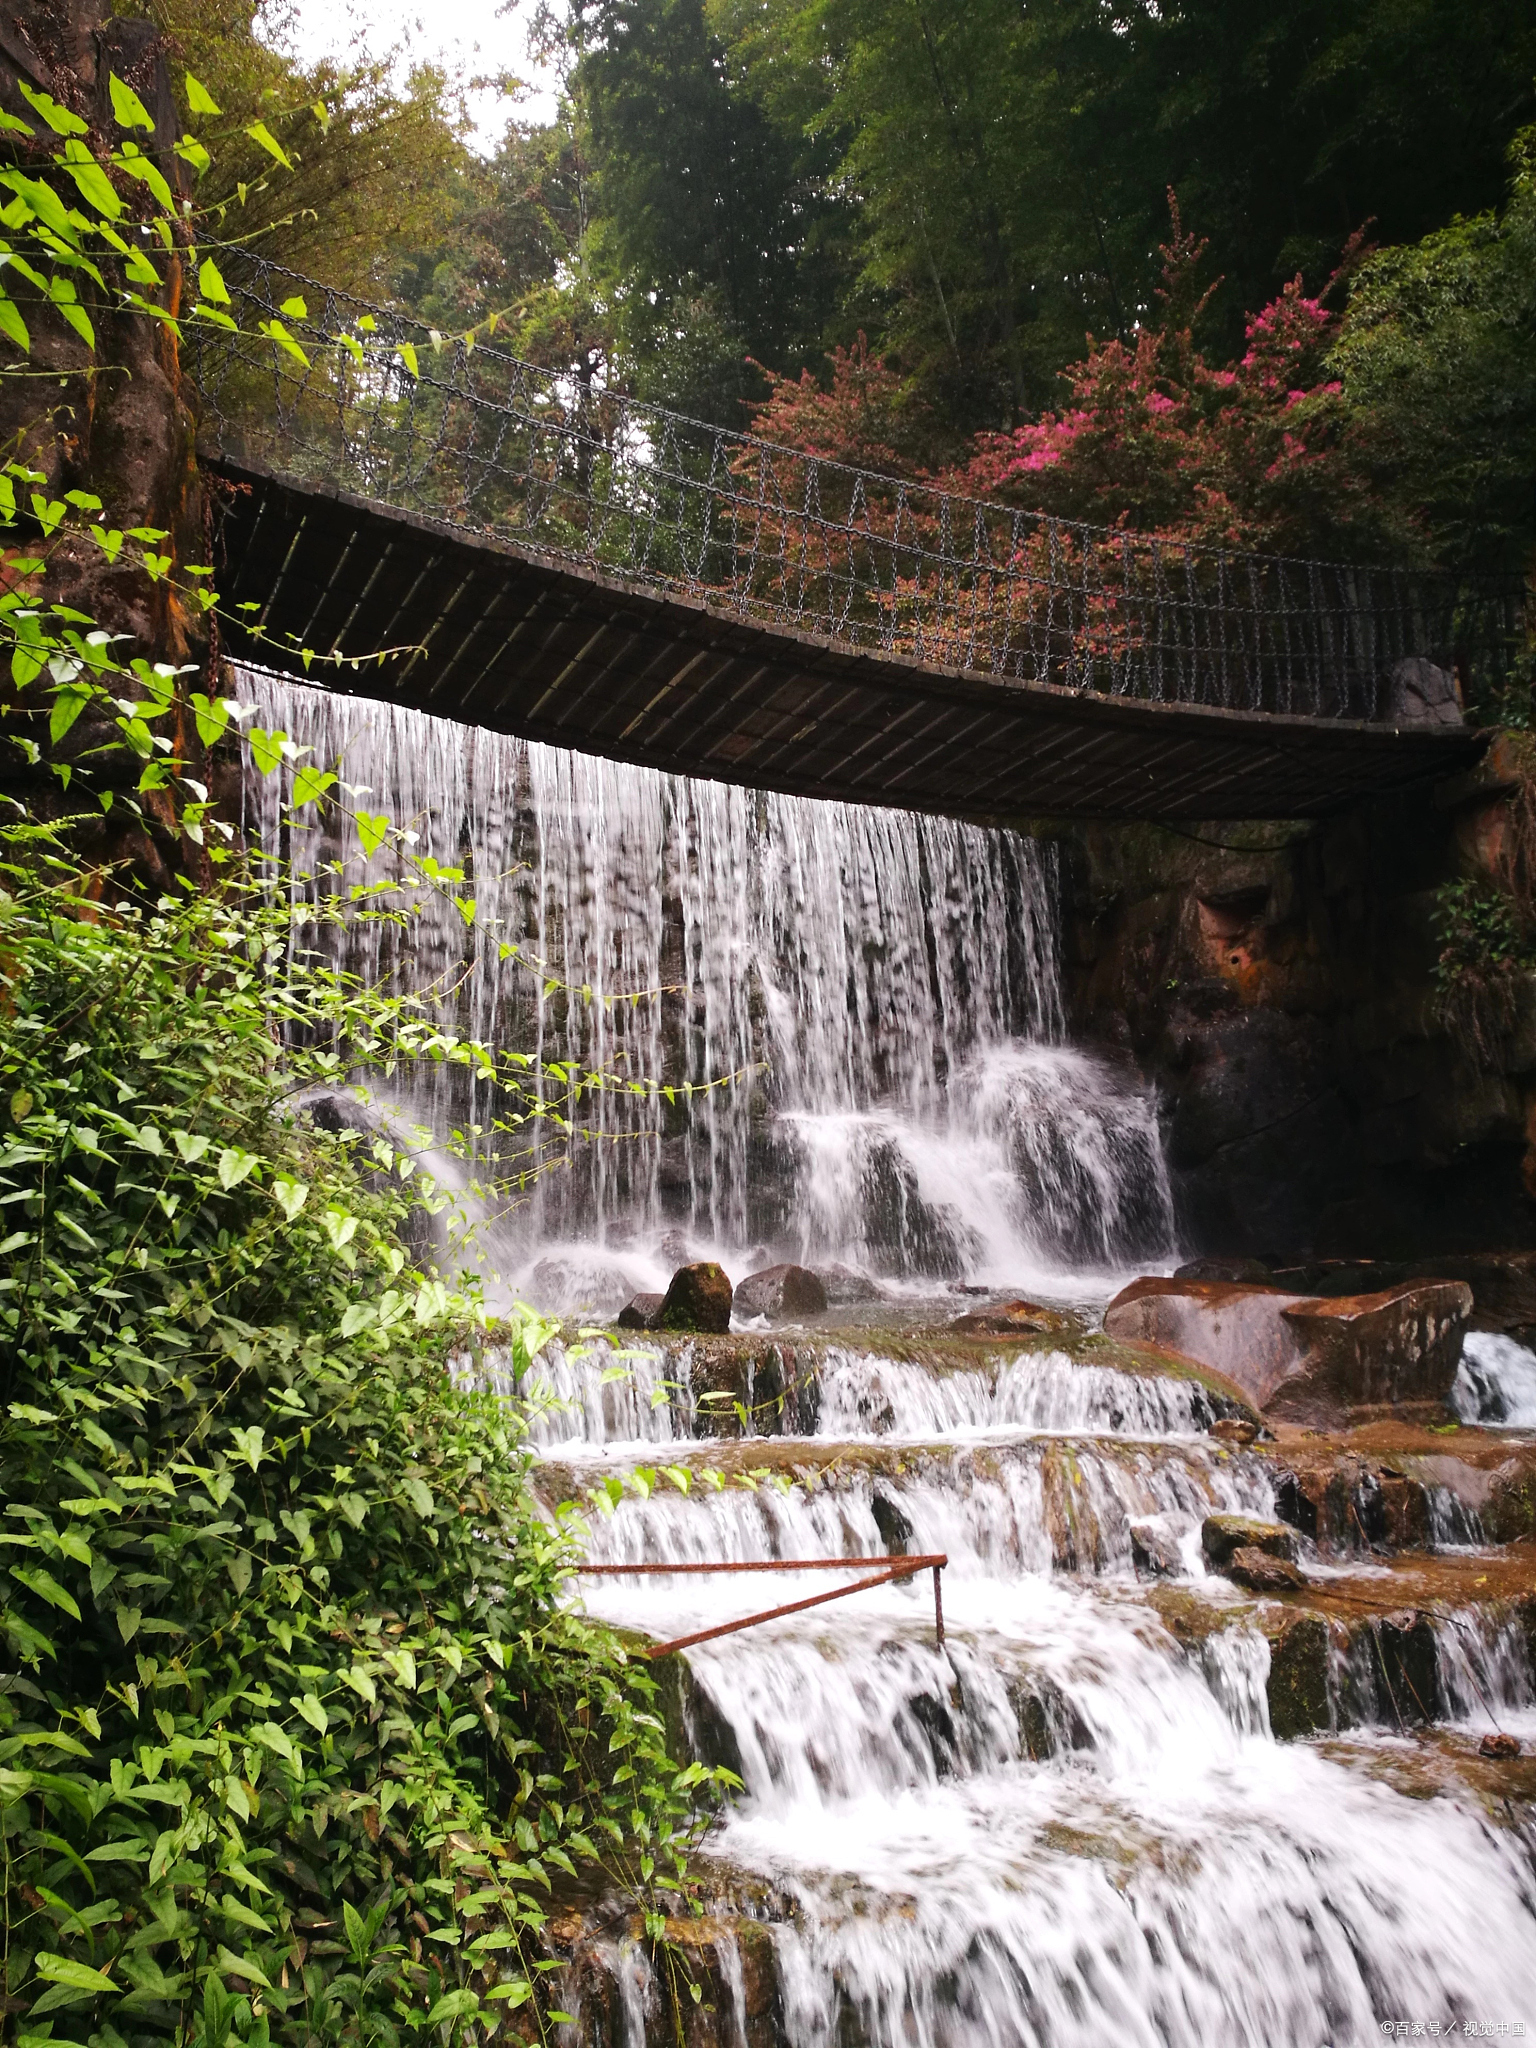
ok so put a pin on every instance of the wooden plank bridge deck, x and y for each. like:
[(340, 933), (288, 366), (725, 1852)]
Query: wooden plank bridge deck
[(519, 641)]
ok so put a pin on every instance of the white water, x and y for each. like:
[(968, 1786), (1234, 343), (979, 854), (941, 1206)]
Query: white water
[(1171, 1874), (885, 986), (1168, 1873), (1496, 1382)]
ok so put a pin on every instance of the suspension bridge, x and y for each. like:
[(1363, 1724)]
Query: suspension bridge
[(454, 529)]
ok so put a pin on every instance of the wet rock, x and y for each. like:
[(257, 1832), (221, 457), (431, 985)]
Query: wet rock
[(1408, 1664), (697, 1731), (781, 1291), (938, 1732), (1295, 1505), (1310, 1359), (1499, 1746), (1221, 1536), (1155, 1549), (1048, 1723), (1017, 1318), (699, 1298), (1297, 1686), (641, 1312), (1235, 1429), (844, 1285), (1252, 1271), (1260, 1572), (1388, 1349), (1422, 694), (895, 1530)]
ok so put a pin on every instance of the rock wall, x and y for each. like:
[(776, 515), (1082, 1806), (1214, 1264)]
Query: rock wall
[(1276, 984)]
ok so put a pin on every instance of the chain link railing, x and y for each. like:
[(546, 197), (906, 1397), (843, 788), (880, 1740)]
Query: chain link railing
[(481, 441)]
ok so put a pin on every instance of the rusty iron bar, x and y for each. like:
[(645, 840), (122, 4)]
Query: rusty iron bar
[(897, 1568)]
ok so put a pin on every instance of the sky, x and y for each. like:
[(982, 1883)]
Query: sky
[(471, 36)]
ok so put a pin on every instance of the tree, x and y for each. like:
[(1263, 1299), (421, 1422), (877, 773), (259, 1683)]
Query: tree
[(1437, 360), (370, 167)]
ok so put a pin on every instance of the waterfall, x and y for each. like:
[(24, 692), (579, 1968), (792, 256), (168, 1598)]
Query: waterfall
[(1070, 1821), (884, 988)]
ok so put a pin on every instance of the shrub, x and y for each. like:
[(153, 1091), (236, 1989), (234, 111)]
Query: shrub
[(297, 1735)]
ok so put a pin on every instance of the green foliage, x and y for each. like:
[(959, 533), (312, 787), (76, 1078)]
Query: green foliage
[(1487, 955), (365, 181), (297, 1734), (1438, 362), (975, 183)]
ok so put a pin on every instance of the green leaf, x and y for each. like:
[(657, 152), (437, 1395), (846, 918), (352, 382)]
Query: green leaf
[(372, 828), (242, 1966), (59, 119), (131, 158), (68, 703), (294, 309), (290, 1196), (309, 1706), (91, 181), (235, 1165), (212, 713), (46, 1587), (65, 1970), (261, 133), (310, 784), (12, 326), (357, 1932), (128, 110), (199, 99), (266, 748), (211, 284), (407, 355), (250, 1443), (234, 1909), (128, 1619), (454, 2005), (361, 1684), (276, 332)]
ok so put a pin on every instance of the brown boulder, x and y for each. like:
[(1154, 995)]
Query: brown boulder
[(1017, 1319), (1378, 1350), (1261, 1573), (781, 1291), (1306, 1358), (1222, 1536), (640, 1312), (1499, 1746), (699, 1299)]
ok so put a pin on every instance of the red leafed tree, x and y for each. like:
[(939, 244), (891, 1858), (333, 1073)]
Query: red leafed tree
[(1259, 454)]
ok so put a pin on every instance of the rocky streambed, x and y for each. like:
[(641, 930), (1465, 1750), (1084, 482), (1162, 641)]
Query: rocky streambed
[(1212, 1684)]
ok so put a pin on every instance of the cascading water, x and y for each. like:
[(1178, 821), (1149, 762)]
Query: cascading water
[(1068, 1824), (1071, 1823), (1495, 1382), (886, 988)]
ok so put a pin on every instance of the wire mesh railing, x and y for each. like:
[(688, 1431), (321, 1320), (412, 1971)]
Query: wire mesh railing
[(339, 391)]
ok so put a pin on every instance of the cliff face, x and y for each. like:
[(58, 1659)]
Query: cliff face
[(1276, 984)]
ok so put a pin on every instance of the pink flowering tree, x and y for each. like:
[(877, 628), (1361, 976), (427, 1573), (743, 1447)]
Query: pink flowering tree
[(1258, 454)]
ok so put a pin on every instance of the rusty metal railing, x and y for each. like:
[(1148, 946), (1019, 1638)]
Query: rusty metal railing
[(895, 1569)]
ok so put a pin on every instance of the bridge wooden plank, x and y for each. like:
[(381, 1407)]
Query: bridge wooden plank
[(526, 643)]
